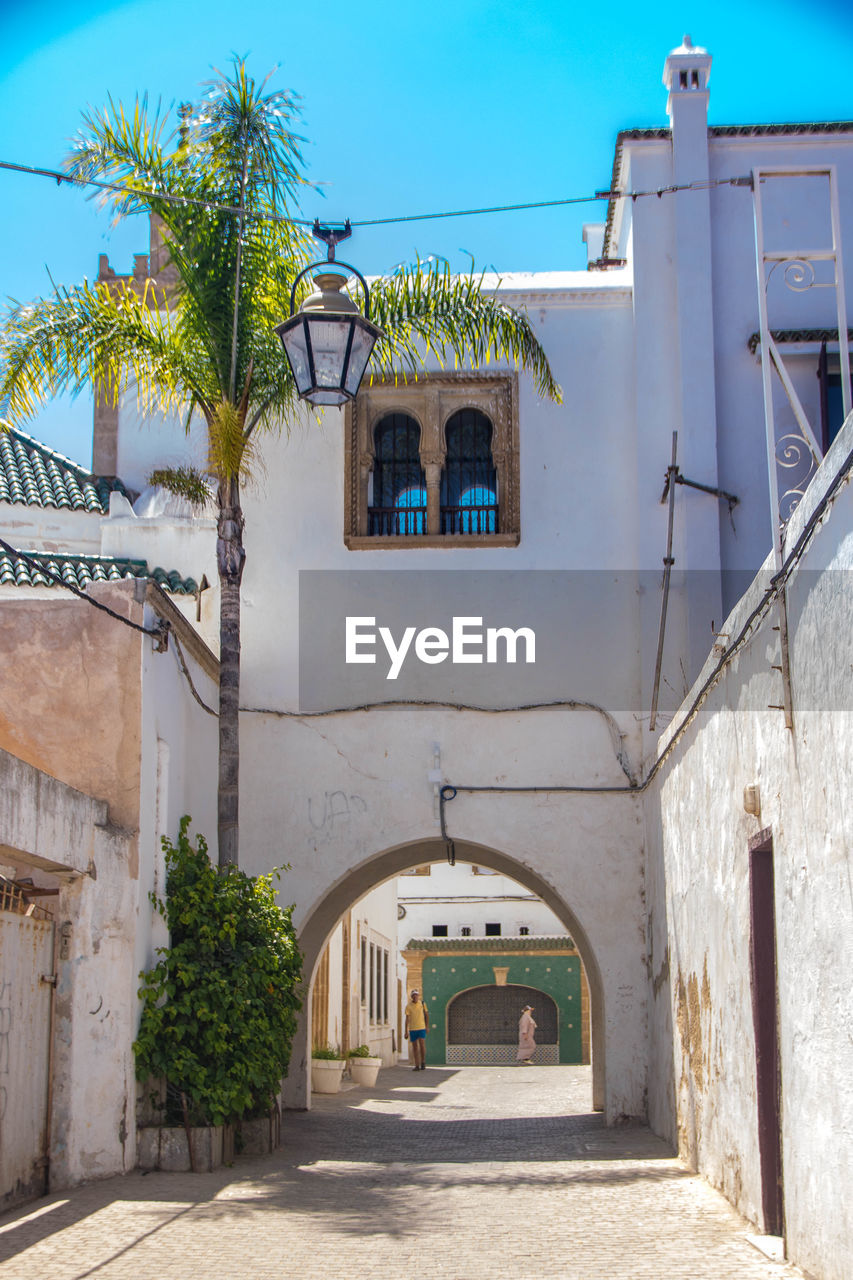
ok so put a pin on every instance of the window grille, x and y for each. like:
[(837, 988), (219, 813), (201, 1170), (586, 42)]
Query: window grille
[(469, 486), (489, 1015), (493, 931), (399, 503), (439, 930)]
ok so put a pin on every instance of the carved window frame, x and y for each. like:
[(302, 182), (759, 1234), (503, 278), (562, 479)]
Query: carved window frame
[(431, 401)]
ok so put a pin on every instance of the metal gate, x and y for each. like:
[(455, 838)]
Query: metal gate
[(26, 957), (482, 1025)]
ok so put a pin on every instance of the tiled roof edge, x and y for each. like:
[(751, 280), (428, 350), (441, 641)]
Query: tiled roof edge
[(794, 128), (171, 581), (797, 335), (45, 449), (527, 943)]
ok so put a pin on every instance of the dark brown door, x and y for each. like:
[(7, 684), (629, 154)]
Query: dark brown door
[(764, 1013)]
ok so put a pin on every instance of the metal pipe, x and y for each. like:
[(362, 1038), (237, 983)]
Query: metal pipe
[(48, 1124), (672, 475), (770, 436)]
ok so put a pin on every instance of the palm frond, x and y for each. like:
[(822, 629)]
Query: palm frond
[(423, 312), (105, 337), (184, 482)]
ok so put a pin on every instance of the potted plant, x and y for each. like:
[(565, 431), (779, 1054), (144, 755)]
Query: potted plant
[(327, 1067), (363, 1067)]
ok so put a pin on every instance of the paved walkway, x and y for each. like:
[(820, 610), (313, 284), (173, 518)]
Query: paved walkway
[(469, 1174)]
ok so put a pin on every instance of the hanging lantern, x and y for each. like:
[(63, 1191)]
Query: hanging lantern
[(328, 341)]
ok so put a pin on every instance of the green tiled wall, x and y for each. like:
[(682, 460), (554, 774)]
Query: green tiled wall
[(558, 976)]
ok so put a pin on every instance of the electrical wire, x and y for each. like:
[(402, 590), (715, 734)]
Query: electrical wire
[(155, 632), (214, 206), (163, 628), (179, 654), (449, 791)]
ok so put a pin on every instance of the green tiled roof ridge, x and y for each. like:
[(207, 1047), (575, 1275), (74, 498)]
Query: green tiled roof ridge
[(527, 942), (80, 569), (33, 474)]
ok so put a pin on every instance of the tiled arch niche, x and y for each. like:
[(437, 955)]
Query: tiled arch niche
[(432, 401)]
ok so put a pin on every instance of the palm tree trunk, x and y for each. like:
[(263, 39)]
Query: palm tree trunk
[(230, 557)]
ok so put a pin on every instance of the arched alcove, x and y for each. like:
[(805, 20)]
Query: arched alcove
[(321, 920), (482, 1024)]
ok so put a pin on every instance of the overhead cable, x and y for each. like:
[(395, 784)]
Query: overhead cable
[(40, 567), (213, 206)]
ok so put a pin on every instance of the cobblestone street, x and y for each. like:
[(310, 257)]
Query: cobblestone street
[(469, 1174)]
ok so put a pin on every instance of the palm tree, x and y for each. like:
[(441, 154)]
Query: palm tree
[(201, 338)]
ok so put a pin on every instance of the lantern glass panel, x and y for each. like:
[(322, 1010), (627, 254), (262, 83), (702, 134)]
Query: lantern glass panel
[(297, 353), (362, 345), (329, 340)]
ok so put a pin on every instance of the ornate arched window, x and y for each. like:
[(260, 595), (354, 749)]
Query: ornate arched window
[(433, 463), (399, 500), (469, 486)]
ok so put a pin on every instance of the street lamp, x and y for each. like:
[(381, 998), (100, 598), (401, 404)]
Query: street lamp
[(328, 341)]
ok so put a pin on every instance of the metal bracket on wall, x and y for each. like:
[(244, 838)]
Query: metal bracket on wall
[(674, 477)]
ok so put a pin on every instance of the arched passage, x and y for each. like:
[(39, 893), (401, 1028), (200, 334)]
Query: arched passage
[(325, 914)]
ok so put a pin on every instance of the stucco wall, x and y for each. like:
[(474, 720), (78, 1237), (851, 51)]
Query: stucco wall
[(70, 691), (699, 901), (91, 703), (65, 839), (584, 851)]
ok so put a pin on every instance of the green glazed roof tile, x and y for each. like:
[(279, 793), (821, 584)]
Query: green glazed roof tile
[(525, 942), (34, 475), (78, 571)]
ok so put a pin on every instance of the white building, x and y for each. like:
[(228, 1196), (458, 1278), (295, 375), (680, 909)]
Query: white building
[(507, 512), (437, 900)]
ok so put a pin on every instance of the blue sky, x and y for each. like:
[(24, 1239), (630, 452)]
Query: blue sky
[(407, 108)]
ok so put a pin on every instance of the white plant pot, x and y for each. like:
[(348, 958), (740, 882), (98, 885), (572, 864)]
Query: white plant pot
[(326, 1074), (364, 1071)]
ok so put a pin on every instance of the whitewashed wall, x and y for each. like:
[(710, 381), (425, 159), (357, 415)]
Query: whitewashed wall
[(457, 897), (698, 891), (373, 918)]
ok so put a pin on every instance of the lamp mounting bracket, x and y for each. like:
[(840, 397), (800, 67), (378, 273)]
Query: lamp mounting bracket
[(331, 235)]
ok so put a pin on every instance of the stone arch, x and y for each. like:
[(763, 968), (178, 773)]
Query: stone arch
[(321, 919)]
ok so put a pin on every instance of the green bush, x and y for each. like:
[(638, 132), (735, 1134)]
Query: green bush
[(328, 1053), (219, 1007), (361, 1052)]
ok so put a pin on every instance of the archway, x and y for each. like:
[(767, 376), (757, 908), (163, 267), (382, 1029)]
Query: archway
[(322, 919)]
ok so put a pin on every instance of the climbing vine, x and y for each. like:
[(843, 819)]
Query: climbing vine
[(219, 1007)]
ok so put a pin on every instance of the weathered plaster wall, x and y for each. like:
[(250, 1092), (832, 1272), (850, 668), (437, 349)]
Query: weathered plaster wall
[(50, 827), (70, 691), (699, 885), (92, 703), (32, 528)]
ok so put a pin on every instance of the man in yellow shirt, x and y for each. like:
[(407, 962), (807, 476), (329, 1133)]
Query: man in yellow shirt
[(417, 1025)]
